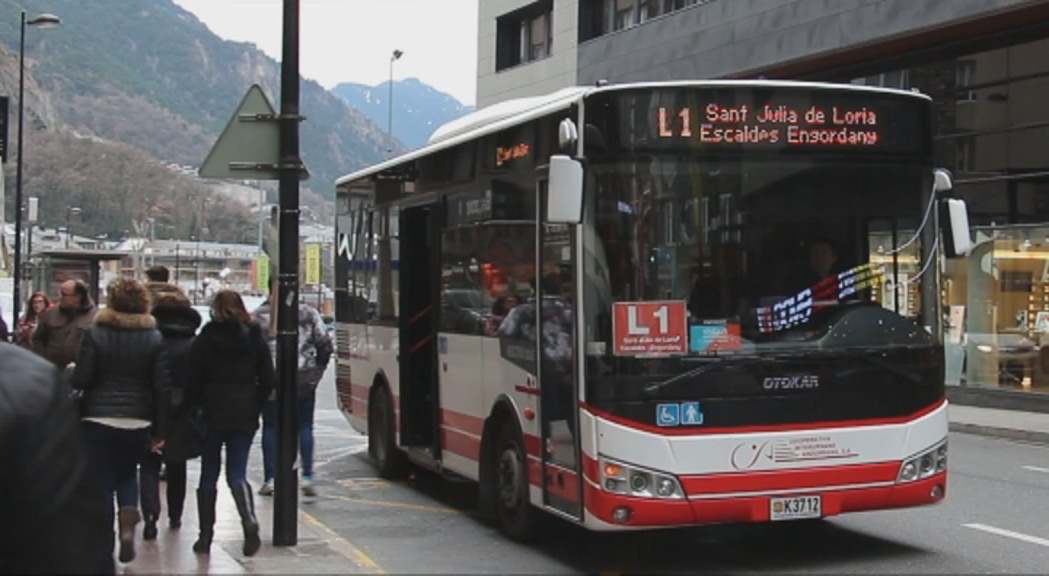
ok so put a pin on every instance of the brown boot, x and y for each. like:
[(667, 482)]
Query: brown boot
[(127, 518)]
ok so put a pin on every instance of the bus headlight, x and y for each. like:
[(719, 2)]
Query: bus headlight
[(924, 464), (630, 480)]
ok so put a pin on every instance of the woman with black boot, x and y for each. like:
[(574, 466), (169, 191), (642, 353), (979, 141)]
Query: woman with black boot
[(122, 369), (231, 375), (178, 323)]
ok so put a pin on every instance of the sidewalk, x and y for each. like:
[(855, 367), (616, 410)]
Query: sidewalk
[(1011, 424), (319, 550)]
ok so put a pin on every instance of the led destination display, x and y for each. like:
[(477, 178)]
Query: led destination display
[(780, 119)]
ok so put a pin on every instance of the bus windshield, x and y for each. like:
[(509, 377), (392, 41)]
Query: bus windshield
[(763, 253)]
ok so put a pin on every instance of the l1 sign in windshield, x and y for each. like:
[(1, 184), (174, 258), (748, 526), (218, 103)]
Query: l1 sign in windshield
[(649, 328)]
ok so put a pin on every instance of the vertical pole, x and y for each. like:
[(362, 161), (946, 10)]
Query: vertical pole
[(262, 218), (285, 513), (17, 283)]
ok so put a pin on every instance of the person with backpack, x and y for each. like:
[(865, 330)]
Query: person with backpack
[(315, 350)]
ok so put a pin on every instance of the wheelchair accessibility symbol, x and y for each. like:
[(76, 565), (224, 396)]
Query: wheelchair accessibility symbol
[(668, 415)]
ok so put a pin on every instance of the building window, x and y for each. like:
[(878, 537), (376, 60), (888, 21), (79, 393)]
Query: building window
[(524, 35), (965, 73), (600, 17), (896, 79)]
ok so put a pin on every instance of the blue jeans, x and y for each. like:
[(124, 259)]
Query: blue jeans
[(238, 446), (115, 455), (269, 436)]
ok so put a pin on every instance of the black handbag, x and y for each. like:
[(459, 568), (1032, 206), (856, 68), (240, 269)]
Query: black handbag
[(185, 438)]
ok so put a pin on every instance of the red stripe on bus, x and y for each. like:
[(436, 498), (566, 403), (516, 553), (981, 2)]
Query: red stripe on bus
[(766, 480), (464, 422), (566, 489), (462, 444), (796, 426), (525, 389), (655, 512), (795, 478)]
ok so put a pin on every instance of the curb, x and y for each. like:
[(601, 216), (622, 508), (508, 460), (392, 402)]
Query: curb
[(997, 432)]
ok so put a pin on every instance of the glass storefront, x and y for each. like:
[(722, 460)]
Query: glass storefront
[(992, 126)]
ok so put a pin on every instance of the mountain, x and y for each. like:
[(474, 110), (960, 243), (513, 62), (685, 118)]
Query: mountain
[(418, 109), (147, 79)]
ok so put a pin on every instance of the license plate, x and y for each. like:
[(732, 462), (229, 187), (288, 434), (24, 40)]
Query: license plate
[(795, 508)]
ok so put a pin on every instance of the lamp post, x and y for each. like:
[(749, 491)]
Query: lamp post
[(41, 21), (152, 240), (70, 212), (389, 125)]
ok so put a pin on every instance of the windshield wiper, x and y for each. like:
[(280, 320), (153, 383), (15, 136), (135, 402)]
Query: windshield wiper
[(710, 364)]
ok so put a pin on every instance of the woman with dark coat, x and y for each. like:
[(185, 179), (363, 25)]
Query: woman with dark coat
[(178, 323), (231, 375), (122, 370)]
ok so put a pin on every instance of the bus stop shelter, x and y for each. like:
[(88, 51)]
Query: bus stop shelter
[(52, 267)]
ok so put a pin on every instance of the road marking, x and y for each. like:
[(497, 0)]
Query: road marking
[(1036, 469), (1009, 534), (343, 546), (395, 504)]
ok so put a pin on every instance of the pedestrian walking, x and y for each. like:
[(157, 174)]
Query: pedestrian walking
[(50, 523), (177, 322), (34, 308), (231, 375), (122, 370), (60, 328), (315, 350)]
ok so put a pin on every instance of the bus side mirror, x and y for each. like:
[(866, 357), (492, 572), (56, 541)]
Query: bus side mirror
[(957, 241), (564, 198)]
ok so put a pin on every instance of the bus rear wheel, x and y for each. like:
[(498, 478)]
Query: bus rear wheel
[(391, 462), (517, 517)]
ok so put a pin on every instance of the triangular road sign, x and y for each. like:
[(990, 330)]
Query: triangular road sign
[(249, 146)]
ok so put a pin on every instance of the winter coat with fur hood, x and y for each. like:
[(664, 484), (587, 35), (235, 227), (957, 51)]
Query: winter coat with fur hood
[(231, 375), (123, 369)]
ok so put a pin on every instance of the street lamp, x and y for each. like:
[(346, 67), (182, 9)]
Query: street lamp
[(41, 21), (389, 126), (152, 239), (70, 212)]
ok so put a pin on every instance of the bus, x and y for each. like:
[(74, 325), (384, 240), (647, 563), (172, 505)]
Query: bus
[(657, 304)]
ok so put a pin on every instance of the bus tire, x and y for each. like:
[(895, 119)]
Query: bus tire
[(518, 518), (390, 461)]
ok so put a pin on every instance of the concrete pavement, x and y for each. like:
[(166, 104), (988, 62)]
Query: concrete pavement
[(318, 551), (1010, 424)]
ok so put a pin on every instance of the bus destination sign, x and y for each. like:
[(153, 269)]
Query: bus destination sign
[(718, 123), (778, 119)]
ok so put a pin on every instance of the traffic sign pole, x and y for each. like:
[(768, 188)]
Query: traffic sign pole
[(285, 514)]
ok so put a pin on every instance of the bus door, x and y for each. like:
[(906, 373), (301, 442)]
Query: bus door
[(555, 339), (419, 239)]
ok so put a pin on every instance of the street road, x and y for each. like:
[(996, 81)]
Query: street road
[(994, 520)]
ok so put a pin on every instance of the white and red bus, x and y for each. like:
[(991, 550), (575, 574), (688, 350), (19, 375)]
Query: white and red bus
[(659, 304)]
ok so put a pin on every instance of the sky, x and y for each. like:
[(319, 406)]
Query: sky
[(352, 40)]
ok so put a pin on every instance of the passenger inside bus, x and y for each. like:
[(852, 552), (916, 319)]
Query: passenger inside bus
[(720, 290)]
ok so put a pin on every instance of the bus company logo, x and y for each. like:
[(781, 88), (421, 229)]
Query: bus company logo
[(748, 455), (795, 382)]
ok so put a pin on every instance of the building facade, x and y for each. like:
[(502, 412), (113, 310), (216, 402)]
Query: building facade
[(985, 63)]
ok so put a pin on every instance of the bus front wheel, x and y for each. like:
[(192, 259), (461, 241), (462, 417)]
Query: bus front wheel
[(517, 517), (390, 461)]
